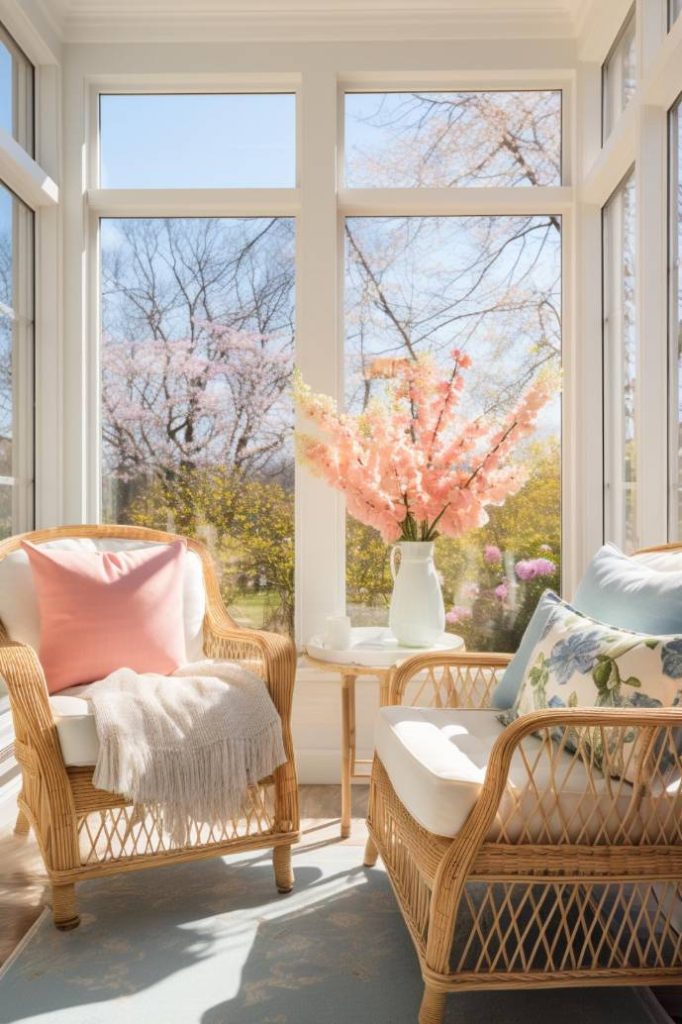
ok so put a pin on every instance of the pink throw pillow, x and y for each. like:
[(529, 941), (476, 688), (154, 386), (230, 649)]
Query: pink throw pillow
[(105, 610)]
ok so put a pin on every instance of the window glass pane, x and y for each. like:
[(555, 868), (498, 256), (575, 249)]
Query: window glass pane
[(198, 141), (619, 76), (620, 361), (442, 139), (16, 92), (197, 421), (676, 310), (491, 287), (16, 365), (675, 9)]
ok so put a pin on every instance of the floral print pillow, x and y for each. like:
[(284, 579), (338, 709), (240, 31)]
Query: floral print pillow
[(580, 662)]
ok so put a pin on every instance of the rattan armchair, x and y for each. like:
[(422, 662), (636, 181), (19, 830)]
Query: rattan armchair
[(540, 886), (84, 832)]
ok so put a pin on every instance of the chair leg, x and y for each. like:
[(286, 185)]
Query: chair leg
[(432, 1009), (22, 825), (64, 909), (371, 853), (284, 875)]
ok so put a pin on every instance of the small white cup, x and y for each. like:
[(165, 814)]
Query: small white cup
[(338, 633)]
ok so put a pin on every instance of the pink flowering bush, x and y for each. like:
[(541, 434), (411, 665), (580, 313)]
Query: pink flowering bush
[(412, 465), (504, 598), (492, 554)]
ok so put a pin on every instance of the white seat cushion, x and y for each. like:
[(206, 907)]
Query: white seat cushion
[(436, 760), (75, 726), (19, 607)]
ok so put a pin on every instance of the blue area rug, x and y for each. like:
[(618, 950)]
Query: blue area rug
[(213, 943)]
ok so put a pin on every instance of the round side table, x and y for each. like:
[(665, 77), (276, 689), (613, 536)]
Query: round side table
[(374, 652)]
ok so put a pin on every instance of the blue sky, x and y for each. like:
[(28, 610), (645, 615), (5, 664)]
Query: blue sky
[(198, 141)]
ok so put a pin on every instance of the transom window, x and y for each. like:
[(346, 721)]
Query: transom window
[(16, 92), (619, 75), (198, 140), (447, 139)]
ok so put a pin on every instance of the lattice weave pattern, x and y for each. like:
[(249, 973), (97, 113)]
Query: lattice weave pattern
[(568, 869)]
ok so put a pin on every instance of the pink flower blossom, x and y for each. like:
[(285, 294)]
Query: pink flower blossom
[(502, 590), (544, 567), (457, 613), (531, 568), (492, 554)]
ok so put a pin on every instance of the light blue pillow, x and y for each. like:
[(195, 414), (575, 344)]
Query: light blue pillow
[(626, 593), (505, 693)]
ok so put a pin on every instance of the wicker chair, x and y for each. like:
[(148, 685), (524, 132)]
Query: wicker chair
[(84, 832), (559, 874)]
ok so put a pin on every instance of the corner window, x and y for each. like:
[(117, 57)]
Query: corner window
[(16, 365), (620, 367), (619, 76)]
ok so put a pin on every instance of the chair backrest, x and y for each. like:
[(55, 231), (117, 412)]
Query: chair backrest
[(665, 557), (18, 605)]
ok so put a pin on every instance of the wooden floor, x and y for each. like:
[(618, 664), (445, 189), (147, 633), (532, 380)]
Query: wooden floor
[(22, 879)]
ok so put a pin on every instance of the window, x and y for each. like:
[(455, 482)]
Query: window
[(619, 76), (198, 141), (487, 285), (675, 284), (16, 364), (490, 286), (674, 11), (620, 367), (16, 92), (197, 421), (445, 139)]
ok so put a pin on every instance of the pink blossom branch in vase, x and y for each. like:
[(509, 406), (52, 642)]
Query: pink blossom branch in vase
[(412, 464)]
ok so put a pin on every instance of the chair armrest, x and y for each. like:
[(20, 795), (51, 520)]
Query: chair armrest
[(46, 782), (29, 698), (269, 655), (456, 679)]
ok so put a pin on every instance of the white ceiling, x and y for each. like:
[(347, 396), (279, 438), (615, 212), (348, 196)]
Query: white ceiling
[(89, 20)]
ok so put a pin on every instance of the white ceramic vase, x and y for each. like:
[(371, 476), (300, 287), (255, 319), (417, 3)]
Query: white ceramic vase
[(417, 613)]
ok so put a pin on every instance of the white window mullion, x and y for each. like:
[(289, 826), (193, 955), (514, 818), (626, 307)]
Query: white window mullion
[(651, 292), (320, 519), (48, 311)]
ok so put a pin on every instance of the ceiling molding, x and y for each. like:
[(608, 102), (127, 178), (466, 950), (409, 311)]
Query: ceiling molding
[(87, 21)]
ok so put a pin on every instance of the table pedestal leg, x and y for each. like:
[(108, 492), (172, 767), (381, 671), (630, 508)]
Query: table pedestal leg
[(347, 750)]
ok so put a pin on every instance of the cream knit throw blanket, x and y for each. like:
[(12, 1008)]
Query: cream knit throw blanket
[(189, 745)]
